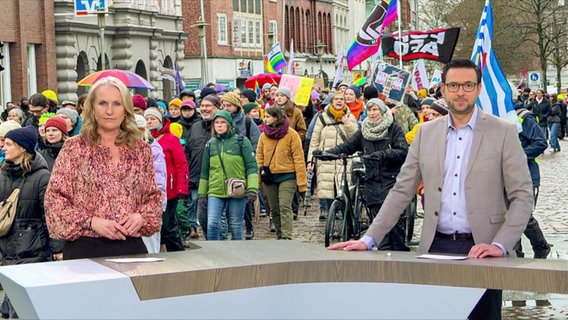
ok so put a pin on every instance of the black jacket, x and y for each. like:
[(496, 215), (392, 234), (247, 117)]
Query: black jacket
[(542, 111), (50, 153), (199, 133), (28, 240), (380, 176)]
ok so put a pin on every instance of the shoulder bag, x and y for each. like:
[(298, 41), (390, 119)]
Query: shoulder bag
[(265, 175), (8, 209), (235, 187)]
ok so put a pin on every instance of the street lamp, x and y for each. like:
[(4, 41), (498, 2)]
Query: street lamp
[(201, 24), (102, 24), (320, 47)]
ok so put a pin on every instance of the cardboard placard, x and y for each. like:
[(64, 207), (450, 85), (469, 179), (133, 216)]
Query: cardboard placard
[(300, 88)]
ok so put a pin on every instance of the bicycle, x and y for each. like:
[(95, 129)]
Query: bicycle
[(344, 215)]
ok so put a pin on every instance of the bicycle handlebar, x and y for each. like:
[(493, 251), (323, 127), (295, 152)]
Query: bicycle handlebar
[(326, 156)]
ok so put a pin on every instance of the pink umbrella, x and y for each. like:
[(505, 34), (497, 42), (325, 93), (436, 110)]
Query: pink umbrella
[(130, 79)]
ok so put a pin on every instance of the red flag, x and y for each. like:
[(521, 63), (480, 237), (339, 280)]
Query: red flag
[(523, 79)]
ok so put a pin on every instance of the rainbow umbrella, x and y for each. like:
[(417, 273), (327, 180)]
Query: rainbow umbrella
[(130, 79)]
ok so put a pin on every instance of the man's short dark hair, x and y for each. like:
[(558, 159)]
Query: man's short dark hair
[(461, 64), (38, 99)]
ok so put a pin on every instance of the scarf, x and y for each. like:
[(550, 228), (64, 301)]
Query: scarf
[(337, 114), (356, 107), (378, 130), (277, 132)]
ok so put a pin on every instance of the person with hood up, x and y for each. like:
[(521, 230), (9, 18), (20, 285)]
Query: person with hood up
[(152, 242), (177, 177), (245, 127), (226, 155), (73, 120)]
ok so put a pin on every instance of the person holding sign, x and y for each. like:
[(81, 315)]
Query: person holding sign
[(294, 114), (334, 125)]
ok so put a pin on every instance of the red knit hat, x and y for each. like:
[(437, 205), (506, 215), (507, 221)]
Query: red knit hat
[(57, 122), (138, 101)]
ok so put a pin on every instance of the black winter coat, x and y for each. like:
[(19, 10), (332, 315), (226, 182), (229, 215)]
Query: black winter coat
[(199, 133), (28, 240), (380, 176), (50, 153), (542, 111)]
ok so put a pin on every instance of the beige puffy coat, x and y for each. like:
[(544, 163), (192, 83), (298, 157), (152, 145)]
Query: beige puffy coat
[(325, 137)]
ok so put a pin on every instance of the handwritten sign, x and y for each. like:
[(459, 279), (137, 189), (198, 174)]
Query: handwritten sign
[(391, 81), (300, 88)]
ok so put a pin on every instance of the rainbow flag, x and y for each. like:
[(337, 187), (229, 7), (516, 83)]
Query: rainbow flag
[(359, 81), (258, 90), (274, 61), (368, 39)]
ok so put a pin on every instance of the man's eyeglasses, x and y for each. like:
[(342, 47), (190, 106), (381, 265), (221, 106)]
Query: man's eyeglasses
[(467, 86)]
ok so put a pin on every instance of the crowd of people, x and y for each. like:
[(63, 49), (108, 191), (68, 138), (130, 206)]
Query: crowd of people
[(203, 165)]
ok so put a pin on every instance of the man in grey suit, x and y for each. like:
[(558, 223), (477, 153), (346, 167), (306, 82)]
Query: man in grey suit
[(476, 182)]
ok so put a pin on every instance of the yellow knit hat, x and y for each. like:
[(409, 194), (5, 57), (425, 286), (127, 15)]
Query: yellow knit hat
[(422, 93), (176, 102), (176, 129)]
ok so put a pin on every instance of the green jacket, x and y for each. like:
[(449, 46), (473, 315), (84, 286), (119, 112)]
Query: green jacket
[(239, 161)]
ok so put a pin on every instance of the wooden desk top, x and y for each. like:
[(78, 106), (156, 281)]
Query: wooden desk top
[(230, 265)]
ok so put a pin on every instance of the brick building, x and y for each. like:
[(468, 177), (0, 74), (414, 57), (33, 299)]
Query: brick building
[(28, 34)]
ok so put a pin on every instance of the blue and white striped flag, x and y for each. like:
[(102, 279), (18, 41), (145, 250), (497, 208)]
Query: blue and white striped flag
[(496, 96)]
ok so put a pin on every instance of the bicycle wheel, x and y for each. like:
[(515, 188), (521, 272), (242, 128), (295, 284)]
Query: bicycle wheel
[(334, 222), (410, 217), (361, 211)]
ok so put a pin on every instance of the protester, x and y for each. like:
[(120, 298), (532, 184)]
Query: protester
[(226, 156), (177, 173), (353, 101), (4, 128), (281, 157), (17, 115), (27, 240), (55, 136)]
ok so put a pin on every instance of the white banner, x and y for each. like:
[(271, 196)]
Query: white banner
[(437, 77), (420, 76)]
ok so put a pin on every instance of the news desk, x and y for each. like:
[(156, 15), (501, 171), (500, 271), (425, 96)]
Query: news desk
[(271, 280)]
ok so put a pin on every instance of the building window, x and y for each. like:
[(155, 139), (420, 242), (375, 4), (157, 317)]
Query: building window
[(249, 32), (5, 89), (221, 28), (273, 29), (32, 73), (258, 33), (248, 6)]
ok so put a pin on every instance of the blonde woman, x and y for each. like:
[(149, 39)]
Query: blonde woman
[(108, 162)]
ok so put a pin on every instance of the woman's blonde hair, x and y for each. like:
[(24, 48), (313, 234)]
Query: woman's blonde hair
[(129, 133)]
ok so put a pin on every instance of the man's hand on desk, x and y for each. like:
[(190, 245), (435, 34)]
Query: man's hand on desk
[(483, 250), (353, 245)]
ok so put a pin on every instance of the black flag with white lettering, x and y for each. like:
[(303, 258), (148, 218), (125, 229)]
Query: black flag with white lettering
[(438, 44)]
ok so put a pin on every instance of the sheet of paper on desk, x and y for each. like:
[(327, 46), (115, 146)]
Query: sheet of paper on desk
[(135, 260), (441, 257)]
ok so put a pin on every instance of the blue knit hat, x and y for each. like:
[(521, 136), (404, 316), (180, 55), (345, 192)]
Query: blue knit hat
[(26, 137)]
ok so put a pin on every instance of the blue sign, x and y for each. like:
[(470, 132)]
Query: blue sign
[(86, 7), (391, 81), (534, 76)]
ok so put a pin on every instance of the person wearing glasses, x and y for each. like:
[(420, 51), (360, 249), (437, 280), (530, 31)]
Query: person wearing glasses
[(476, 182)]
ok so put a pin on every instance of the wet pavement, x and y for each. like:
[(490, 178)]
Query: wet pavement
[(551, 213)]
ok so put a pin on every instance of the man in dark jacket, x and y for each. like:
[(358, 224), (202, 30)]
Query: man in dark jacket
[(189, 116), (553, 121), (541, 109), (199, 134), (533, 143)]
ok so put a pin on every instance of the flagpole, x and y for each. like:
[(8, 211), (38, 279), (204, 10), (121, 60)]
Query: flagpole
[(399, 32)]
